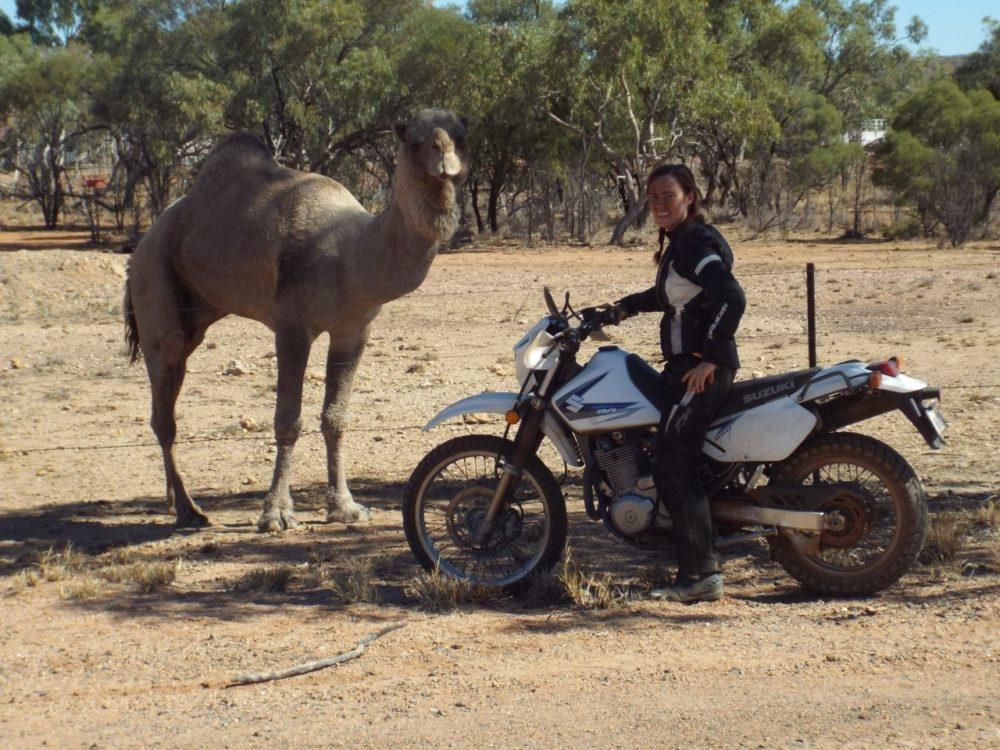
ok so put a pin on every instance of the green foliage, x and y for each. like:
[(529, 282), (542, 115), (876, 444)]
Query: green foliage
[(570, 103), (981, 69), (943, 156), (43, 98)]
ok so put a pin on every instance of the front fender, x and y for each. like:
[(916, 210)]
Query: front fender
[(501, 403)]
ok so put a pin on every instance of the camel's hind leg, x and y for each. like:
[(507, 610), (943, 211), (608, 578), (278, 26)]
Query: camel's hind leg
[(166, 357), (170, 325), (167, 366)]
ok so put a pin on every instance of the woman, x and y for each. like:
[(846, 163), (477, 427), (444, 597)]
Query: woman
[(702, 305)]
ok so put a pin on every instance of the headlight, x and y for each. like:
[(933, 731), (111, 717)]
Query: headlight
[(530, 351)]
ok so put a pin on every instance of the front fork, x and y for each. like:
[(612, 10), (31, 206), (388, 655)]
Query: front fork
[(526, 441)]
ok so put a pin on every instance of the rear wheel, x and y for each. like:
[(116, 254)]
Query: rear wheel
[(881, 515), (446, 501)]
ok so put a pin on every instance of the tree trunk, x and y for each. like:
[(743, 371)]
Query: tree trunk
[(626, 221), (491, 207), (474, 191)]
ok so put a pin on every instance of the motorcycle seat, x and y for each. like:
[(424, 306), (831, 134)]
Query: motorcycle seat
[(749, 393)]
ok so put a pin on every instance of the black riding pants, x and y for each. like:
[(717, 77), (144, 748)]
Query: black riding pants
[(678, 458)]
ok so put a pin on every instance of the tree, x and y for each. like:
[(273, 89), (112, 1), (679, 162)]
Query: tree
[(619, 78), (511, 133), (43, 98), (6, 25), (943, 156), (53, 22), (981, 69), (158, 103)]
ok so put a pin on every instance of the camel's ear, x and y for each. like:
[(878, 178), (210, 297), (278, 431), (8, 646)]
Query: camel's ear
[(401, 131)]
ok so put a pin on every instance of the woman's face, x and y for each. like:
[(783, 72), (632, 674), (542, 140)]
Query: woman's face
[(667, 202)]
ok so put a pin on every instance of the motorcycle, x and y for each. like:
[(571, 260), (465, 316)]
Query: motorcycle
[(843, 513)]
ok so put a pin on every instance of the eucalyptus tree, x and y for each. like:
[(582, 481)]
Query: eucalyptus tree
[(942, 156), (161, 102), (620, 77), (981, 69), (43, 100), (512, 134)]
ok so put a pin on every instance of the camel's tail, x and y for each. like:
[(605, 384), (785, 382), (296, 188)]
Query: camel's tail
[(131, 329)]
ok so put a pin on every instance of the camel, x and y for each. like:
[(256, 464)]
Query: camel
[(298, 253)]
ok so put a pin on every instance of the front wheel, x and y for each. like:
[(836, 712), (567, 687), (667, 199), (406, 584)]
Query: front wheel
[(881, 514), (445, 503)]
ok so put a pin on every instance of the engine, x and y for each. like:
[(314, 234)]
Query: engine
[(633, 507)]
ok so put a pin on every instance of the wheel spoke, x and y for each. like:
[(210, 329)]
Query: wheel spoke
[(452, 507)]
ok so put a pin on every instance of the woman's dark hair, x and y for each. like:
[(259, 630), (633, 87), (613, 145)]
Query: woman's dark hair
[(685, 179)]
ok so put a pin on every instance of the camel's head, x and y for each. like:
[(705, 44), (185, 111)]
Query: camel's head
[(433, 142)]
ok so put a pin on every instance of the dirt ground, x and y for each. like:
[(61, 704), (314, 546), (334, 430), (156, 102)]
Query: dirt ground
[(88, 662)]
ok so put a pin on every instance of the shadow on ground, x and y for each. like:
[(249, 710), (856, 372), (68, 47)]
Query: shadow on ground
[(232, 547)]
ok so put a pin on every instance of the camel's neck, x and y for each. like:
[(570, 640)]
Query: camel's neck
[(404, 238)]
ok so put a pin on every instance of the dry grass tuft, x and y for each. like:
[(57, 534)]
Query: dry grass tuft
[(357, 583), (441, 593), (28, 578), (988, 515), (144, 575), (590, 590), (946, 535), (274, 579), (88, 587), (55, 565)]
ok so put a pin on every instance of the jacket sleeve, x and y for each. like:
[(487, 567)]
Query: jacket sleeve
[(704, 261), (726, 302), (641, 302)]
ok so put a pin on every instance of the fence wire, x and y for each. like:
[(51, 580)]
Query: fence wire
[(25, 379)]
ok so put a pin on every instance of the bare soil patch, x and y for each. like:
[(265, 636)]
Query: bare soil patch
[(126, 639)]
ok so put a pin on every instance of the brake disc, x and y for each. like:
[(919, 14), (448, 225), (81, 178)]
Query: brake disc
[(466, 513)]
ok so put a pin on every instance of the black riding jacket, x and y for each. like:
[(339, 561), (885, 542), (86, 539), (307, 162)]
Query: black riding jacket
[(695, 288)]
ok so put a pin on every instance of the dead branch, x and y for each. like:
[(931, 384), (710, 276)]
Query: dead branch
[(312, 666)]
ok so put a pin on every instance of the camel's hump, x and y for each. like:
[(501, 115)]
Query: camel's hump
[(244, 141)]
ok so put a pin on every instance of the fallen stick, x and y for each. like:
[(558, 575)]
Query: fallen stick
[(312, 666)]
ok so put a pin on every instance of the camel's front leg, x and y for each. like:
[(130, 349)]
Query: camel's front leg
[(292, 345), (341, 364)]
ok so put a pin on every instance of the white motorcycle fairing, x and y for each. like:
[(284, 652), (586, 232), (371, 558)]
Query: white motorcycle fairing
[(501, 403), (769, 432), (602, 397)]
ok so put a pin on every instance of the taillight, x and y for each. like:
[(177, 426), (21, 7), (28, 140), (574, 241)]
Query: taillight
[(891, 367)]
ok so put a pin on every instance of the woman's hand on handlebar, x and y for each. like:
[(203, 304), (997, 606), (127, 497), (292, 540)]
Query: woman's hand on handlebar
[(602, 315), (699, 376)]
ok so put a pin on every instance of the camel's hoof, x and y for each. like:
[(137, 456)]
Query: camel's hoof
[(193, 520), (353, 513), (277, 522)]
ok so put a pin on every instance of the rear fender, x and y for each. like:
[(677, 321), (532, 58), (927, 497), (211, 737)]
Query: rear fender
[(501, 403)]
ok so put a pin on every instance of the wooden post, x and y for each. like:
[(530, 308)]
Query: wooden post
[(811, 310)]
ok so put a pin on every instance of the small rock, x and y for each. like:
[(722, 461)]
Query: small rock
[(235, 367), (497, 370), (249, 424), (415, 368), (211, 345), (16, 364)]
